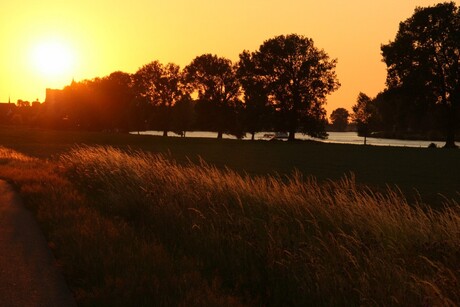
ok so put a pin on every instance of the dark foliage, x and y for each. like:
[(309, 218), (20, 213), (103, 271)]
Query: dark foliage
[(295, 78), (339, 118), (214, 80), (423, 69), (281, 87)]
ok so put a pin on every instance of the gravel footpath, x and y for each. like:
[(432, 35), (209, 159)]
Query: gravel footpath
[(28, 272)]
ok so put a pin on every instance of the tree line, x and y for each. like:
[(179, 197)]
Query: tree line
[(422, 94), (280, 87)]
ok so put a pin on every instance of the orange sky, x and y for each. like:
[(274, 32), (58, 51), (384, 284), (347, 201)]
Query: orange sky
[(102, 36)]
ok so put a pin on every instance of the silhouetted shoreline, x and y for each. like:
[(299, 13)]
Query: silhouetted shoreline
[(334, 137)]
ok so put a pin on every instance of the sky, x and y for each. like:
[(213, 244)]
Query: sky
[(49, 43)]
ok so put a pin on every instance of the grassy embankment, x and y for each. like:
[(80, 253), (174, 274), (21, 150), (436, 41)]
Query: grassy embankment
[(136, 228)]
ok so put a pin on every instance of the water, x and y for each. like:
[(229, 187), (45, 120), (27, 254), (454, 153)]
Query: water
[(353, 138), (334, 137)]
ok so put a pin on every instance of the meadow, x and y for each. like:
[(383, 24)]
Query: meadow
[(425, 175), (137, 220)]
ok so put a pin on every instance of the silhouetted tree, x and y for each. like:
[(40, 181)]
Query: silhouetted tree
[(183, 115), (401, 114), (22, 103), (76, 107), (362, 114), (162, 86), (214, 79), (339, 118), (297, 77), (258, 111), (424, 58), (23, 113), (115, 95)]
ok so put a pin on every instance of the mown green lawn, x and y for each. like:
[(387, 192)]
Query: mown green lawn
[(430, 172)]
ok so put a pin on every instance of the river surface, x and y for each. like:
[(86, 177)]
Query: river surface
[(334, 137)]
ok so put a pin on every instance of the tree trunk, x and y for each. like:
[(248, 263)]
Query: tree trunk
[(365, 139), (450, 128), (219, 135), (165, 133), (292, 125), (253, 136), (450, 138)]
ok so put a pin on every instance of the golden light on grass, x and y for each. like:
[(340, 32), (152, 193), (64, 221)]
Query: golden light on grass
[(324, 244), (7, 154), (133, 227)]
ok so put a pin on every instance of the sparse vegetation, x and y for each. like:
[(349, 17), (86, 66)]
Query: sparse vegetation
[(138, 228)]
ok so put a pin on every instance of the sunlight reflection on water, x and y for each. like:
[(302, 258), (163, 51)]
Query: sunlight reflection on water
[(334, 137)]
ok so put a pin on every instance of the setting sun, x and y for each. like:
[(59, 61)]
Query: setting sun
[(51, 42), (52, 59), (206, 153)]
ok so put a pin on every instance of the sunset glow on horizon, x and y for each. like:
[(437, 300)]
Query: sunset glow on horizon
[(46, 44)]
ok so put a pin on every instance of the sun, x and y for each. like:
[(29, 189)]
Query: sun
[(52, 59)]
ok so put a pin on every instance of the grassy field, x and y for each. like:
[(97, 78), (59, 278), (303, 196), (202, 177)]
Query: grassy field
[(141, 221), (428, 172), (132, 228)]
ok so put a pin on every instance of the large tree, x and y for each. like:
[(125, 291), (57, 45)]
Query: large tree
[(339, 118), (424, 59), (297, 77), (257, 107), (183, 116), (362, 114), (115, 97), (161, 86), (214, 80)]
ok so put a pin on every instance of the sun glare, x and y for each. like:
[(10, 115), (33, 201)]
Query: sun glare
[(52, 59)]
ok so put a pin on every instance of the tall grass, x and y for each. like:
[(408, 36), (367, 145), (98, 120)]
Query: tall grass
[(264, 240), (106, 262), (138, 229)]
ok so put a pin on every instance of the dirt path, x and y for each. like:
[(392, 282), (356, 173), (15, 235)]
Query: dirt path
[(28, 274)]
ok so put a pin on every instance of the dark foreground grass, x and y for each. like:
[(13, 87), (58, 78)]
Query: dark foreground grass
[(138, 229), (432, 173), (106, 261)]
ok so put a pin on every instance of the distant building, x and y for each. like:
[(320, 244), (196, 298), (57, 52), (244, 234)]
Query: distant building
[(7, 110), (53, 96)]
